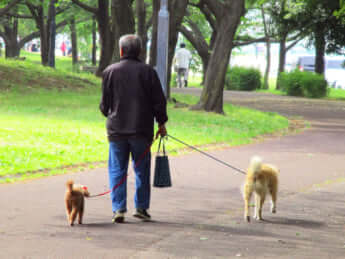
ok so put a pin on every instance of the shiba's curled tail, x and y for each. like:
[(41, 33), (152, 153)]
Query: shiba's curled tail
[(255, 164), (69, 185)]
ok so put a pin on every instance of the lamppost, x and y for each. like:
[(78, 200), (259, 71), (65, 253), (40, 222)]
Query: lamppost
[(163, 44)]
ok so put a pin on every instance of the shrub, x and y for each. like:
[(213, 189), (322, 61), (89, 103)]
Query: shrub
[(242, 78), (307, 84)]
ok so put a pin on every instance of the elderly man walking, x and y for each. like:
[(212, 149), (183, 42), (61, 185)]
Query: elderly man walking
[(132, 98)]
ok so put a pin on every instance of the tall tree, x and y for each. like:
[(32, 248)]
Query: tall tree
[(268, 49), (105, 28), (328, 31), (123, 20), (144, 22), (74, 41), (197, 28), (94, 44), (10, 34), (153, 46), (227, 14), (8, 6), (175, 22), (200, 29), (110, 26), (14, 37), (52, 33), (43, 23)]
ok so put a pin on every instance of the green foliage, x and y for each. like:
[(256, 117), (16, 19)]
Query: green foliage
[(242, 78), (307, 84)]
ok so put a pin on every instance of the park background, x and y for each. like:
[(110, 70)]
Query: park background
[(53, 53)]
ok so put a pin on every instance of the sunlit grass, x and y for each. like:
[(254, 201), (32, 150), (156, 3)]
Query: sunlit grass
[(43, 127), (336, 94)]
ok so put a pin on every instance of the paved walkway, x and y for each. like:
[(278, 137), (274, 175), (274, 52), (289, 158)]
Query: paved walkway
[(201, 216)]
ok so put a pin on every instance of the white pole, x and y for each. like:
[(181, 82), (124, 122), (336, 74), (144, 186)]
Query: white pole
[(163, 44)]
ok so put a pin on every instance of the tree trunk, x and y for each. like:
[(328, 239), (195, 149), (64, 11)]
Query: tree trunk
[(106, 36), (37, 11), (94, 44), (282, 57), (12, 49), (51, 24), (174, 26), (74, 41), (268, 65), (141, 27), (10, 35), (212, 94), (320, 45), (268, 51), (123, 21), (153, 47), (44, 40), (38, 14), (105, 30)]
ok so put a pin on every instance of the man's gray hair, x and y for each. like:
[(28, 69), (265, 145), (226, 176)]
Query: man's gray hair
[(130, 45)]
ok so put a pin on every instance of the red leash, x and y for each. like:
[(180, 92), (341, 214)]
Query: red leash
[(147, 150)]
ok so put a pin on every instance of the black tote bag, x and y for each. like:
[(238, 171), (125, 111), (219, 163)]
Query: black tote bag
[(162, 170)]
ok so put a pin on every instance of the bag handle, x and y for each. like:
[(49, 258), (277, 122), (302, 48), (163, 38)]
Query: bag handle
[(163, 146)]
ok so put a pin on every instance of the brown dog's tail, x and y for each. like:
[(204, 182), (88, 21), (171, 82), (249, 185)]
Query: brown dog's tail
[(69, 185)]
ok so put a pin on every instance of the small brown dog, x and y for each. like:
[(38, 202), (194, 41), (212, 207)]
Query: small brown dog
[(74, 201), (260, 179)]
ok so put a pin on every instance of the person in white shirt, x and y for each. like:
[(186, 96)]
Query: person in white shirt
[(182, 61)]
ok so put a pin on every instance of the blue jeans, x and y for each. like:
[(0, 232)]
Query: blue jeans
[(119, 152)]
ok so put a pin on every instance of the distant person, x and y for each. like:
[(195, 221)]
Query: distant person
[(182, 60), (63, 48), (34, 47), (69, 51), (132, 98)]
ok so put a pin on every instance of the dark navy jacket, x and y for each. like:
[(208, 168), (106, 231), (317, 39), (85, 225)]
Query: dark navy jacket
[(132, 97)]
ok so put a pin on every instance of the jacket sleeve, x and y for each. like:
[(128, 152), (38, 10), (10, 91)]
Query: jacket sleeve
[(106, 98), (158, 100)]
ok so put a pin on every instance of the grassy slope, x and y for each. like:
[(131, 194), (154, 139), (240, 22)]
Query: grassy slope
[(50, 119)]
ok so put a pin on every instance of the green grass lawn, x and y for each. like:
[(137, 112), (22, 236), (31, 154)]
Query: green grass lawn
[(336, 94), (49, 119)]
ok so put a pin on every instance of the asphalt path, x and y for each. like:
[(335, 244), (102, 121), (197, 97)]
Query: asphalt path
[(201, 216)]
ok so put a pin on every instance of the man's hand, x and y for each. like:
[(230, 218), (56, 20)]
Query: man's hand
[(162, 131)]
